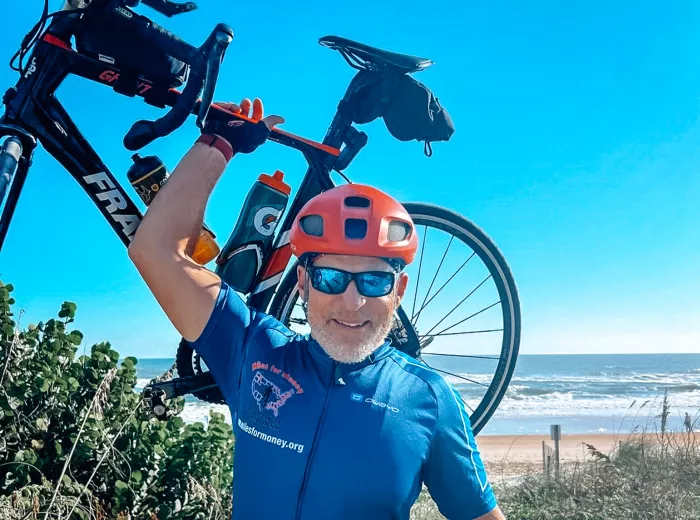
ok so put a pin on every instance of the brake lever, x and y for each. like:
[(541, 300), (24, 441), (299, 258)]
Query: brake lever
[(170, 9), (222, 37)]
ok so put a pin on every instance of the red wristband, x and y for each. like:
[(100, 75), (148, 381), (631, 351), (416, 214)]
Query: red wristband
[(218, 143)]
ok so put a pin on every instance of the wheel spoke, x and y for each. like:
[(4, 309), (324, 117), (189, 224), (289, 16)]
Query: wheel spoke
[(468, 317), (460, 377), (415, 320), (420, 268), (460, 303), (434, 277), (459, 333), (466, 404)]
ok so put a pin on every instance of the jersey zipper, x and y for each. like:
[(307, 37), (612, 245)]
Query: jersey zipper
[(313, 443)]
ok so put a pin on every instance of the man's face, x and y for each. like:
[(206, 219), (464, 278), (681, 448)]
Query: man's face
[(350, 326)]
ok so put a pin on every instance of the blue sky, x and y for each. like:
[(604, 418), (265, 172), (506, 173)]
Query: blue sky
[(576, 150)]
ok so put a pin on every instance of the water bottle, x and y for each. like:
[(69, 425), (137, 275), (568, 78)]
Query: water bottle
[(148, 175), (241, 258)]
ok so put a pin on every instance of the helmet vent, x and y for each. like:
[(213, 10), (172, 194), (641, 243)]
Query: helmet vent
[(398, 231), (312, 225), (357, 202), (355, 228)]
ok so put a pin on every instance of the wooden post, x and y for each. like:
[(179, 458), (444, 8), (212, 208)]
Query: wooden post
[(544, 457), (555, 434)]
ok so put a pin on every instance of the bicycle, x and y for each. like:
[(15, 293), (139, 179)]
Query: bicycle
[(32, 114)]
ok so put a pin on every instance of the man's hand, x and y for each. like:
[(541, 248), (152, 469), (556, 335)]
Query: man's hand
[(244, 135)]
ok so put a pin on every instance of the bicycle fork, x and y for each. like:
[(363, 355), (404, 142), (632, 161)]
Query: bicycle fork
[(9, 159), (15, 159)]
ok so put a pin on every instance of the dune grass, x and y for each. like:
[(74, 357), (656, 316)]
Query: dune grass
[(652, 474)]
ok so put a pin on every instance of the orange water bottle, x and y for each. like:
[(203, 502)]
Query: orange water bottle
[(148, 175)]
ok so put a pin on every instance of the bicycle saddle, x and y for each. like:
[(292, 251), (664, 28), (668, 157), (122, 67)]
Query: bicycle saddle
[(374, 56)]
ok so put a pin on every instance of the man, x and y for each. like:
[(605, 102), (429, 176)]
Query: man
[(333, 425)]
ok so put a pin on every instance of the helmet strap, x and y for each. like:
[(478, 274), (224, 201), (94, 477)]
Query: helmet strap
[(305, 299)]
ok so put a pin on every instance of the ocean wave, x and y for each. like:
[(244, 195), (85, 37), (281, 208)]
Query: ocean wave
[(663, 379), (683, 388), (685, 371), (569, 404), (199, 412), (607, 390), (551, 393), (541, 397), (641, 385), (520, 392), (593, 377)]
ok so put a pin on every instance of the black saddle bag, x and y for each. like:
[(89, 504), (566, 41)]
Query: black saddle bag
[(414, 113), (114, 40), (409, 108)]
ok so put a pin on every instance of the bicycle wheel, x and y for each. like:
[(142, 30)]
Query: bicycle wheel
[(188, 363), (469, 272)]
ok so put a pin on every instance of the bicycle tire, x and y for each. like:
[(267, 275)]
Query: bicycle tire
[(495, 262)]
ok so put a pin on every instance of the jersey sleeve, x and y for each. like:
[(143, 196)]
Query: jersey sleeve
[(454, 473), (221, 344)]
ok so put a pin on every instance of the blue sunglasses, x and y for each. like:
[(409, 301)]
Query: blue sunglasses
[(371, 284)]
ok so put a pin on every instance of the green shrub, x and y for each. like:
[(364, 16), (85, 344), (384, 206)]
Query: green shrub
[(638, 481), (73, 431)]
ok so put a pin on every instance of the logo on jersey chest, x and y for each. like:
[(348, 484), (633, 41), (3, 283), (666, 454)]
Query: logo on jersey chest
[(374, 402), (271, 388), (268, 395)]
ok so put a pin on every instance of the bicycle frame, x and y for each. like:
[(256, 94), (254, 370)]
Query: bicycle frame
[(33, 113)]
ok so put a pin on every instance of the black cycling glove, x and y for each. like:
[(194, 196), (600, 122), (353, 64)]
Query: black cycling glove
[(244, 136)]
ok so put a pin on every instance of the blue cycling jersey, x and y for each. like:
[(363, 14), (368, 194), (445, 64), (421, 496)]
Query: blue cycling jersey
[(317, 439)]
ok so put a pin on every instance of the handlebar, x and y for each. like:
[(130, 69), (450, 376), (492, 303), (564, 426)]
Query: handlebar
[(204, 65)]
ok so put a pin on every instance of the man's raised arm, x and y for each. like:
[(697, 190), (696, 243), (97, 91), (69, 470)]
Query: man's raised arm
[(165, 239)]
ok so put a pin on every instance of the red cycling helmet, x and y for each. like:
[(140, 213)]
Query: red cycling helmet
[(354, 219)]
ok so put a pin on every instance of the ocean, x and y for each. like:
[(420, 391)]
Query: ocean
[(596, 393)]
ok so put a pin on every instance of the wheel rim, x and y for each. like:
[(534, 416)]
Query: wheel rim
[(480, 370)]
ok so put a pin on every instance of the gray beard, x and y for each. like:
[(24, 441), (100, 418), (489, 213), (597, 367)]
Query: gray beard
[(350, 353)]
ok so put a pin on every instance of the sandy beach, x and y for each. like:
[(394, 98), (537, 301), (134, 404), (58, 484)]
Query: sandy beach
[(507, 456)]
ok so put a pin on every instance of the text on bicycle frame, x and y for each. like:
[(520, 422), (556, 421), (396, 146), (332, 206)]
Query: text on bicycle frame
[(116, 201)]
